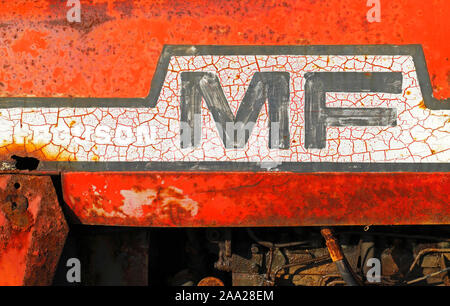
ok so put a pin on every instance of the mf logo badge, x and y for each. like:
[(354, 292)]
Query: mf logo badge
[(300, 108)]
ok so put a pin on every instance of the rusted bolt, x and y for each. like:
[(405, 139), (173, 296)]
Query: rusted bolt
[(17, 202), (15, 208)]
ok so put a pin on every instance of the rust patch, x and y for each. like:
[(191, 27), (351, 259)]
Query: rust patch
[(91, 17), (422, 105), (15, 210), (166, 204), (124, 7), (14, 205), (32, 231), (210, 281), (37, 150)]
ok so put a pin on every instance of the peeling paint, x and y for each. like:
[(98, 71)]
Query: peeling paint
[(219, 199)]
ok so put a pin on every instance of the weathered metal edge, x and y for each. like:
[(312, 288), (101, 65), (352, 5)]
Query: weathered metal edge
[(211, 166), (169, 51)]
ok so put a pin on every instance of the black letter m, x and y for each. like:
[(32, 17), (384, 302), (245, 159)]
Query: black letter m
[(264, 86)]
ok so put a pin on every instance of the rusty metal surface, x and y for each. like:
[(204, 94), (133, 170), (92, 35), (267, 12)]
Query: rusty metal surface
[(114, 52), (420, 255), (251, 199), (210, 281), (32, 230), (332, 245), (338, 257), (286, 265), (310, 264)]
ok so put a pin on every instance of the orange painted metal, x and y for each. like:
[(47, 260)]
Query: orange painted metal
[(210, 281), (113, 52), (257, 199), (32, 230)]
